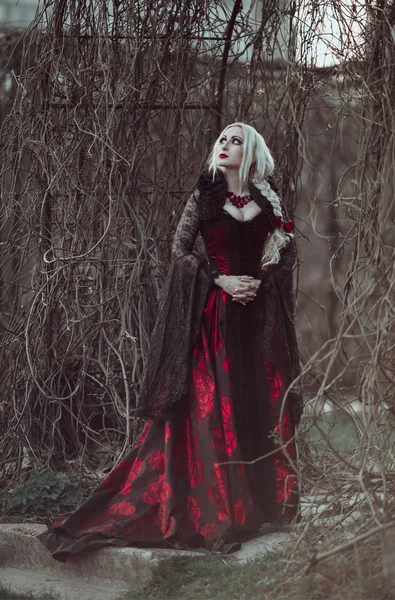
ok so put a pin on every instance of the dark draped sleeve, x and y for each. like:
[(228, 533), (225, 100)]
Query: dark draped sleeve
[(188, 283)]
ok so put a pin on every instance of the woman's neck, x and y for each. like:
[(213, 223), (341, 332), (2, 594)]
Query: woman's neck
[(234, 183)]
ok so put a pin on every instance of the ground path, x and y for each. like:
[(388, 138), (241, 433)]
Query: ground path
[(105, 574)]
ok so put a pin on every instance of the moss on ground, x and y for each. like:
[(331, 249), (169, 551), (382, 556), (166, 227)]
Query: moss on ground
[(7, 594)]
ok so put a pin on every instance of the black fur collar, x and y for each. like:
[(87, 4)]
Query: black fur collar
[(212, 196)]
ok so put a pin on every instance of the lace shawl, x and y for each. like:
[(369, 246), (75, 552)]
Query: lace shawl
[(190, 279)]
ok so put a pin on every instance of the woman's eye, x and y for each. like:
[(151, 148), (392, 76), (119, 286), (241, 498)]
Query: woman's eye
[(235, 141)]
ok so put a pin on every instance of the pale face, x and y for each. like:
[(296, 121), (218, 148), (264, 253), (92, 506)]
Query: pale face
[(230, 148)]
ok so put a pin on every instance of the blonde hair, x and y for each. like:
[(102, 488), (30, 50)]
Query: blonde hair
[(256, 165)]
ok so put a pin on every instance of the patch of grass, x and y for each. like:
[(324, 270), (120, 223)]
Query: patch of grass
[(209, 576), (345, 431), (353, 575), (43, 490), (339, 428), (7, 594)]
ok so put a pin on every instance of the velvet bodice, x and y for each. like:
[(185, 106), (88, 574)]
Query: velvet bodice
[(236, 247)]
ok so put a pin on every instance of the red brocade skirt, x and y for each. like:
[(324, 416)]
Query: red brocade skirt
[(186, 482)]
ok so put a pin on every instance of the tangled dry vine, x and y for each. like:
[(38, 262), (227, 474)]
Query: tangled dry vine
[(106, 119)]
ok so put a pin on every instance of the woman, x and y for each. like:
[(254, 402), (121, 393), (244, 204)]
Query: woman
[(216, 457)]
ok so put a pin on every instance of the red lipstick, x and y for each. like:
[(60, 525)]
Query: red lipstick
[(223, 156)]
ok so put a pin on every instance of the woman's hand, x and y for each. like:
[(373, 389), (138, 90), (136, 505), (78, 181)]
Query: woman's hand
[(242, 288)]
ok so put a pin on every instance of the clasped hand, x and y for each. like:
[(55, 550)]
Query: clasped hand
[(242, 288)]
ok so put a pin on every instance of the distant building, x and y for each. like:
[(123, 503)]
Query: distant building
[(332, 36), (21, 13), (18, 13)]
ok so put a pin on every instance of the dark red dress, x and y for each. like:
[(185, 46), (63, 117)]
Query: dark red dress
[(187, 481)]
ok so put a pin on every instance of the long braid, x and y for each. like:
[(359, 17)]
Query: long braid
[(278, 238)]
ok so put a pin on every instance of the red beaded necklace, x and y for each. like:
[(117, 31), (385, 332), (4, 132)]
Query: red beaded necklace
[(238, 201)]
